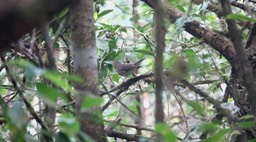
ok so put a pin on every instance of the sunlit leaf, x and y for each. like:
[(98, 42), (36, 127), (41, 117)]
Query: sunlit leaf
[(115, 77), (3, 91), (103, 13)]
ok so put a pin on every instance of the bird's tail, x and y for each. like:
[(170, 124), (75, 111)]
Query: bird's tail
[(138, 62)]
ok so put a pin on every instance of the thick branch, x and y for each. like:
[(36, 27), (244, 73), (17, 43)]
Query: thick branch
[(244, 70), (217, 41)]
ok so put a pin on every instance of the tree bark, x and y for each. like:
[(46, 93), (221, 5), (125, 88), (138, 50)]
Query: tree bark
[(85, 65)]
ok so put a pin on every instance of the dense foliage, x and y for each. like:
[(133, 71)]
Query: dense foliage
[(205, 81)]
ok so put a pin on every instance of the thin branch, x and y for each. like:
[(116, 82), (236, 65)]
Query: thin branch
[(160, 32), (49, 47), (59, 31), (123, 87), (211, 100)]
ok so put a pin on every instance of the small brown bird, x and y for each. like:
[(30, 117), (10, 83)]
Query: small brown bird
[(126, 69)]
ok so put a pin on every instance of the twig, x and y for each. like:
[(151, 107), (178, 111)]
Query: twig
[(211, 100), (59, 31), (124, 86), (133, 126)]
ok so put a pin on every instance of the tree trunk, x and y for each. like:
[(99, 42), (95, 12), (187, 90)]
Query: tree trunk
[(85, 65)]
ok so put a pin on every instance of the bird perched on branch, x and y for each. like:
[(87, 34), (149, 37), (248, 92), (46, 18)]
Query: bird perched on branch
[(126, 69)]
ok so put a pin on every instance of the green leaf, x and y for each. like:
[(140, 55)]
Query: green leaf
[(61, 137), (168, 63), (218, 136), (251, 140), (179, 26), (165, 131), (123, 30), (181, 8), (245, 117), (240, 17), (112, 44), (103, 72), (68, 124), (70, 77), (208, 127), (116, 77), (213, 86), (145, 52), (103, 13), (30, 70), (91, 101), (3, 91), (48, 94), (196, 105), (107, 26), (57, 79), (247, 124), (17, 115), (63, 13), (189, 52), (193, 60)]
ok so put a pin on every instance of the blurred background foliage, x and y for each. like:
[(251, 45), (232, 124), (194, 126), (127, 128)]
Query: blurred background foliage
[(124, 32)]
